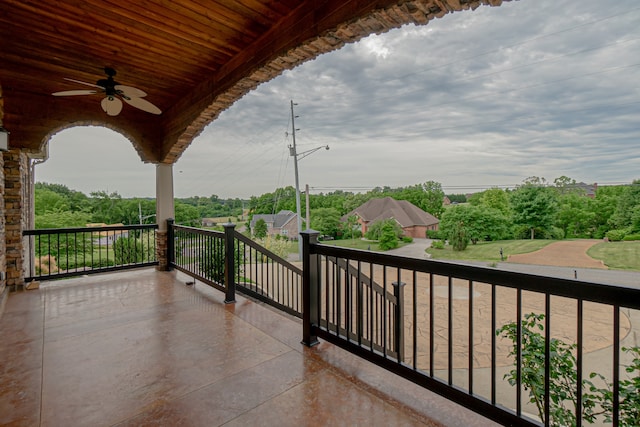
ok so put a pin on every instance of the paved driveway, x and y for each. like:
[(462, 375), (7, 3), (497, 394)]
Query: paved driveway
[(413, 250), (560, 262)]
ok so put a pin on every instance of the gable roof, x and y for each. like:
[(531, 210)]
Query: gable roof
[(404, 212), (278, 220)]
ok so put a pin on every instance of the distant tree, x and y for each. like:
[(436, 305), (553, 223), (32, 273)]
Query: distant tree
[(603, 207), (76, 200), (625, 207), (576, 216), (326, 221), (534, 207), (260, 229), (49, 201), (388, 237), (414, 194), (350, 227), (64, 219), (131, 211), (353, 201), (376, 229), (187, 215), (496, 198), (458, 236), (480, 222), (106, 207), (434, 196), (269, 203)]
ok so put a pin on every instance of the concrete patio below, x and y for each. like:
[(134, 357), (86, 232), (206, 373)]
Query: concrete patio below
[(142, 348)]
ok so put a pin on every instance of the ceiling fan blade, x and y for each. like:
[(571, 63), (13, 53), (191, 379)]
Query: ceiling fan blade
[(83, 83), (129, 91), (143, 104), (111, 105), (74, 92)]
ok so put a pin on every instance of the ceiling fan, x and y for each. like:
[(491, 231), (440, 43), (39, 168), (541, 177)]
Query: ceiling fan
[(114, 92)]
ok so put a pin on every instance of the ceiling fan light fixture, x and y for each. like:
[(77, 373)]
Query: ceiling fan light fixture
[(111, 105), (115, 93)]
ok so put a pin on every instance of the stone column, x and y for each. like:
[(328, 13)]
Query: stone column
[(164, 210), (3, 234), (3, 247), (15, 185)]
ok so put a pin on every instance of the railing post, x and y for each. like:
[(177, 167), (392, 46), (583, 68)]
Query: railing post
[(398, 333), (310, 286), (171, 254), (229, 263)]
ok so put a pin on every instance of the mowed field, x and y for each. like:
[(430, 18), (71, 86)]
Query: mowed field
[(586, 253)]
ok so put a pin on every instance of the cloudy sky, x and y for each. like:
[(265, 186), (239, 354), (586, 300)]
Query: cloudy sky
[(473, 100)]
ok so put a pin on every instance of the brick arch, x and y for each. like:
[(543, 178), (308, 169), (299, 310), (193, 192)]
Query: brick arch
[(417, 12)]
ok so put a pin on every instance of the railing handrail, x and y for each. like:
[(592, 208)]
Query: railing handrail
[(41, 231), (625, 296), (244, 239), (76, 246)]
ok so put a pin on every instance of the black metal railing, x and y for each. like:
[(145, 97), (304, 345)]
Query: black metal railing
[(263, 275), (66, 252), (209, 256), (202, 254), (443, 333), (230, 262), (438, 324)]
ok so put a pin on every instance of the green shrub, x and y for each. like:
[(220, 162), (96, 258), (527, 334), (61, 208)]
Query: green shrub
[(615, 235), (631, 237), (435, 234), (596, 402), (437, 244), (459, 239), (388, 237), (407, 239), (131, 250), (375, 231)]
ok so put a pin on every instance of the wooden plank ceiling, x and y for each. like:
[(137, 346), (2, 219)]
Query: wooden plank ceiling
[(194, 58)]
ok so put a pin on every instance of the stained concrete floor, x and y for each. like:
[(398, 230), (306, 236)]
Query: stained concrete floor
[(141, 348)]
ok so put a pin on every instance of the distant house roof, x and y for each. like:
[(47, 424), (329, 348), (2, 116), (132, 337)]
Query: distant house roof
[(405, 213), (278, 220), (589, 189)]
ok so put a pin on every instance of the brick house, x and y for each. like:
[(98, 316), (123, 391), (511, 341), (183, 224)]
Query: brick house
[(414, 221), (284, 223)]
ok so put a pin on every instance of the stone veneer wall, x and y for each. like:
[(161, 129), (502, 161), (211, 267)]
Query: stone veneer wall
[(3, 248), (15, 183), (161, 250)]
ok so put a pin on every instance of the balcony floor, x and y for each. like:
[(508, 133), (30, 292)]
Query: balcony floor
[(141, 348)]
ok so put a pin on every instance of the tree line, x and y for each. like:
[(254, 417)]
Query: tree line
[(535, 209), (57, 206)]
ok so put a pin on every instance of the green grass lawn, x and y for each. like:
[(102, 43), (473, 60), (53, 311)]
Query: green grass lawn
[(489, 251), (358, 244), (618, 255)]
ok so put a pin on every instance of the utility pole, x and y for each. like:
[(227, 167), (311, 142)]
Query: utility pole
[(299, 156), (306, 193), (294, 153), (142, 218)]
